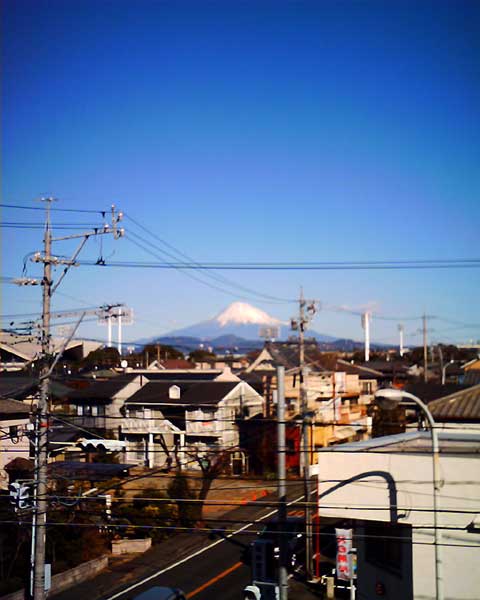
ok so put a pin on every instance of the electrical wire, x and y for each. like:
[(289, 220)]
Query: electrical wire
[(218, 278), (74, 210), (197, 529), (286, 267), (214, 276)]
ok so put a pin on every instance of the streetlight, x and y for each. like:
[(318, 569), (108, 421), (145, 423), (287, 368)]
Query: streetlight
[(389, 398), (444, 371)]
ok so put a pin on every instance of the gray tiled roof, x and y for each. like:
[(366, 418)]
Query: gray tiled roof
[(191, 393), (101, 390), (463, 405)]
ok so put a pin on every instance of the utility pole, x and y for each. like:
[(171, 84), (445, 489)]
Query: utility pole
[(425, 348), (282, 484), (42, 417), (306, 312), (39, 517)]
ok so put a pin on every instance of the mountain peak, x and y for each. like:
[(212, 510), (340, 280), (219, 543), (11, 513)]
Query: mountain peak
[(244, 314)]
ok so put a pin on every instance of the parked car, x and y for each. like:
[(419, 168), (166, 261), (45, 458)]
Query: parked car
[(160, 593)]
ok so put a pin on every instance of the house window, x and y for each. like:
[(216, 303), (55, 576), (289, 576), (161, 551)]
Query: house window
[(79, 410)]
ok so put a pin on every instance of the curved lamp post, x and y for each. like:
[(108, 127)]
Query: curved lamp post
[(389, 398), (444, 371)]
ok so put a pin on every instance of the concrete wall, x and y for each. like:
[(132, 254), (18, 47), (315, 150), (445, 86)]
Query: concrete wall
[(62, 581), (131, 546)]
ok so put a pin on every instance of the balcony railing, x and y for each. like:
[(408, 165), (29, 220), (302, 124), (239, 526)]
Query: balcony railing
[(137, 425)]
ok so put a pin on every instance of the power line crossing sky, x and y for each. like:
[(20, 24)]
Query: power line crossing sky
[(249, 131)]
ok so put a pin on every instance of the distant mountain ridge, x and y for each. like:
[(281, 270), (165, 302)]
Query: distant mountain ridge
[(237, 329)]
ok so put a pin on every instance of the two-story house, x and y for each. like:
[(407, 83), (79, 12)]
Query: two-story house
[(96, 404), (165, 421)]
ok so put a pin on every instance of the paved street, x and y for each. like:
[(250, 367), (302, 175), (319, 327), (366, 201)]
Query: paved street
[(202, 566)]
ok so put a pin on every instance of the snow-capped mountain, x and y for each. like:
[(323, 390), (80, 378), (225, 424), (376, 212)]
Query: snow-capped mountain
[(241, 313), (238, 327), (239, 319)]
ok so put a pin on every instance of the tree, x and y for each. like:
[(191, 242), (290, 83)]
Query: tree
[(147, 510), (102, 357), (201, 355), (212, 464), (164, 350)]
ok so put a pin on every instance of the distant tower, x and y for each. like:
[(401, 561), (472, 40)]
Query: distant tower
[(123, 316), (367, 315), (400, 331)]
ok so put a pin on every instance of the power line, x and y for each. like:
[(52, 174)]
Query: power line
[(196, 529), (211, 275), (217, 277), (74, 210), (284, 266)]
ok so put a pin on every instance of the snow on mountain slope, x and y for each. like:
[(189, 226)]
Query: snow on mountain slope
[(241, 313)]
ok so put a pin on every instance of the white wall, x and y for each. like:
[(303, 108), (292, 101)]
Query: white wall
[(412, 479)]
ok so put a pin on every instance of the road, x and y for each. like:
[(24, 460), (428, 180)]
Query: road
[(213, 571)]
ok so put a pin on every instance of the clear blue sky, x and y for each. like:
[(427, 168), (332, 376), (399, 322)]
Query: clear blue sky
[(255, 131)]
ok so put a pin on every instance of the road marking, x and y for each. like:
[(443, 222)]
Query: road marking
[(214, 579), (197, 553)]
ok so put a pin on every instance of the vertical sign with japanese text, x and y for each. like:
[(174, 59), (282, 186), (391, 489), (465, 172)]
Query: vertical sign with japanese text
[(345, 567)]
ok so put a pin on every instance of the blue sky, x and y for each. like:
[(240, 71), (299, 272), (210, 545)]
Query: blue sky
[(251, 131)]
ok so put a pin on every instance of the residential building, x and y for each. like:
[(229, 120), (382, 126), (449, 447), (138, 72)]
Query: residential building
[(168, 420), (459, 411), (337, 391), (472, 372), (96, 404), (20, 351)]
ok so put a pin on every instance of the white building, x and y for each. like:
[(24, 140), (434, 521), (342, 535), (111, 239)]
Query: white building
[(383, 490)]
